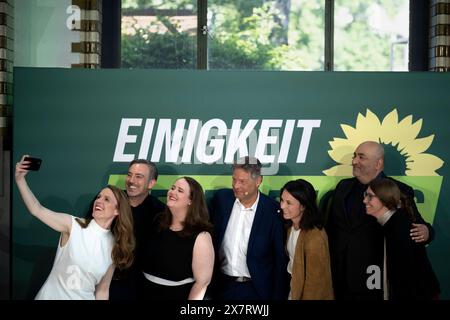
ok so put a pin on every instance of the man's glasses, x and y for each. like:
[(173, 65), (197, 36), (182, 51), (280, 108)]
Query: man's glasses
[(369, 195)]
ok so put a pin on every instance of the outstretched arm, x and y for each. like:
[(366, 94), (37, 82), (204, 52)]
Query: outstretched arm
[(202, 265), (60, 222)]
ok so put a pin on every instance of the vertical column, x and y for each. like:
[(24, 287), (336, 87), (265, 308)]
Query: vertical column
[(88, 46), (440, 36), (6, 66)]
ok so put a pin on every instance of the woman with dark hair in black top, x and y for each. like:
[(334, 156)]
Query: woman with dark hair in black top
[(179, 255)]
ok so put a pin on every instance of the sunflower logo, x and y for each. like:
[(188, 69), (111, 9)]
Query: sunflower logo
[(398, 135)]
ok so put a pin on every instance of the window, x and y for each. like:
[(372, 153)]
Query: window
[(371, 35), (266, 35), (270, 35), (159, 34)]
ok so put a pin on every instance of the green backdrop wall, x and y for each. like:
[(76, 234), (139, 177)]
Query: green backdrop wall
[(88, 124)]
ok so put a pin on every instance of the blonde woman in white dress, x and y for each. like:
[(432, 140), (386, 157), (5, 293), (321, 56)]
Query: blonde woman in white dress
[(88, 249)]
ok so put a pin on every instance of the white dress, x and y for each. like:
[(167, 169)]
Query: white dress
[(80, 264)]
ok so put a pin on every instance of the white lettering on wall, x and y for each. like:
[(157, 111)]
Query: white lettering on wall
[(213, 141), (124, 138), (307, 126)]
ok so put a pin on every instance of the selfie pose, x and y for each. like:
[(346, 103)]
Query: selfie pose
[(88, 249)]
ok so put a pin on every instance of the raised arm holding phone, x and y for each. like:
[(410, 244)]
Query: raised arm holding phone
[(88, 249)]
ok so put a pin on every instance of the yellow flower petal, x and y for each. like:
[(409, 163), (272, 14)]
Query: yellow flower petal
[(418, 145), (367, 128), (423, 164), (370, 119), (338, 142), (407, 131), (339, 170), (415, 128), (390, 121), (341, 149), (342, 155), (349, 131), (401, 135)]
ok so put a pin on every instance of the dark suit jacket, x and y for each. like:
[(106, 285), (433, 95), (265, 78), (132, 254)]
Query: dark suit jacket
[(409, 271), (266, 257), (356, 242)]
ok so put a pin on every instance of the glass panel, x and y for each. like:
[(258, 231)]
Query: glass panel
[(267, 35), (159, 34), (371, 35)]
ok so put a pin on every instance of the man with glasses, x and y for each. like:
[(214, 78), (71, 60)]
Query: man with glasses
[(355, 238)]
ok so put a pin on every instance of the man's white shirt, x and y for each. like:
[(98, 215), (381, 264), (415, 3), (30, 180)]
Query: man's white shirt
[(233, 251)]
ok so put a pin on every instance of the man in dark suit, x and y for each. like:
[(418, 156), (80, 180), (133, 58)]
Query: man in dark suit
[(141, 178), (248, 238), (355, 238)]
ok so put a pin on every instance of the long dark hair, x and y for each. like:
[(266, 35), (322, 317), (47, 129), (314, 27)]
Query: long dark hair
[(121, 228), (197, 217), (304, 192), (391, 197)]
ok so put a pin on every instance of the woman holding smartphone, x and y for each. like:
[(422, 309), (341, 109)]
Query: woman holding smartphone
[(88, 249)]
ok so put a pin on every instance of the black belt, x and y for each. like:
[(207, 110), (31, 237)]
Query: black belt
[(236, 279)]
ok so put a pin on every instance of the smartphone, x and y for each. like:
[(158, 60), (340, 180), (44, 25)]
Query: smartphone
[(35, 163)]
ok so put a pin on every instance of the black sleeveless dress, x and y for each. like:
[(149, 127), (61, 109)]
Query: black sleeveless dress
[(168, 255)]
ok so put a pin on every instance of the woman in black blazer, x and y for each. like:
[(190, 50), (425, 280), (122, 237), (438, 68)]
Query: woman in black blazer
[(409, 271)]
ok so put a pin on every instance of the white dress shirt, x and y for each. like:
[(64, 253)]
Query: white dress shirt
[(290, 246), (233, 251)]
